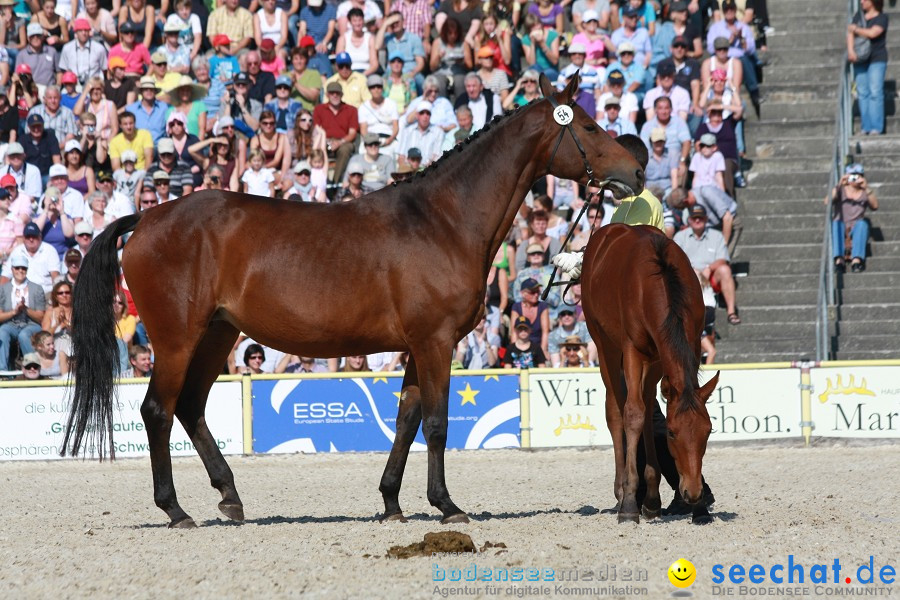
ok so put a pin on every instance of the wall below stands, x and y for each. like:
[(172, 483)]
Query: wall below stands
[(540, 408)]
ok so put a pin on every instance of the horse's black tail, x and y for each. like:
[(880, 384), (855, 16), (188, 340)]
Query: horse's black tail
[(94, 349)]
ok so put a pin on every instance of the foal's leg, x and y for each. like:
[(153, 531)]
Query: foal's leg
[(433, 364), (409, 416), (652, 503), (610, 371), (633, 365), (206, 366)]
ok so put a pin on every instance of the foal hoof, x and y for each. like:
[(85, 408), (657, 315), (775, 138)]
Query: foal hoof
[(629, 517), (235, 512), (457, 518), (701, 517), (649, 514), (394, 517), (185, 523)]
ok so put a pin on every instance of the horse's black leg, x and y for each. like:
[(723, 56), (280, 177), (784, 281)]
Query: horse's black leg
[(434, 382), (158, 416), (409, 416), (206, 365)]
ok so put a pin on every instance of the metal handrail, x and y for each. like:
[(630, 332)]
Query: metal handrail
[(827, 298)]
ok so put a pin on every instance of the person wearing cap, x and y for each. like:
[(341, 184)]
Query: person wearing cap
[(55, 116), (592, 43), (303, 189), (353, 179), (69, 95), (600, 10), (590, 76), (283, 106), (163, 186), (22, 307), (101, 21), (495, 78), (358, 43), (353, 83), (405, 44), (635, 35), (150, 112), (233, 20), (28, 176), (397, 86), (661, 173), (534, 314), (687, 70), (83, 56), (306, 82), (535, 269), (117, 204), (634, 72), (567, 328), (72, 199), (41, 58), (178, 55), (376, 167), (164, 78), (42, 260), (119, 88), (574, 351), (425, 136), (272, 61), (41, 146), (262, 83), (705, 248), (131, 138), (612, 121), (665, 86), (522, 352), (80, 176), (176, 126), (479, 348), (222, 66), (341, 124), (628, 102), (684, 28), (379, 116), (70, 267), (849, 200), (134, 53), (318, 22), (169, 162), (237, 103), (739, 44), (708, 187), (726, 132), (128, 178)]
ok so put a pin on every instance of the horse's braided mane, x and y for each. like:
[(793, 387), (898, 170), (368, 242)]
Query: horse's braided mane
[(460, 147), (673, 327)]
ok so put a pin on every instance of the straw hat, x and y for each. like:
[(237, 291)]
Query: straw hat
[(198, 92)]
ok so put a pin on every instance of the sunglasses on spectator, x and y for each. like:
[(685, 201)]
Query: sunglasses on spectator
[(149, 202), (85, 235), (256, 357), (240, 85), (267, 122), (680, 46), (306, 120), (424, 112), (698, 218), (20, 268), (283, 87), (379, 86), (343, 66), (63, 293), (31, 368)]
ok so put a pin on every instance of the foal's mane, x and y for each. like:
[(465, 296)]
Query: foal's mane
[(674, 325), (462, 146)]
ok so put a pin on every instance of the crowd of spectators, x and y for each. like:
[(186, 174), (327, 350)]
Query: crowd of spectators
[(111, 107)]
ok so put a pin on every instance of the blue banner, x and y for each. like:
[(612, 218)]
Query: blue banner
[(360, 414)]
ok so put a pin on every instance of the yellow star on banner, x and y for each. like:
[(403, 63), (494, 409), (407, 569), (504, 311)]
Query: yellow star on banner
[(398, 397), (468, 395), (494, 377), (381, 379)]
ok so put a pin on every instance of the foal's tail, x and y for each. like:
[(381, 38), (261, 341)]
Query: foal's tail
[(94, 349)]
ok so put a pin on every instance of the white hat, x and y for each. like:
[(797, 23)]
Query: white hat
[(15, 148), (34, 29), (173, 24), (165, 145), (424, 105), (58, 170), (129, 156), (72, 145), (302, 166), (589, 15), (625, 47), (82, 227), (577, 48)]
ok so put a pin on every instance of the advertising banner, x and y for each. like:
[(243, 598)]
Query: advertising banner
[(568, 408), (34, 418), (360, 414), (858, 402)]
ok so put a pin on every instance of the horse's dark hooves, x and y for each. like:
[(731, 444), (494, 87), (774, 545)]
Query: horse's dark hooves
[(650, 514), (457, 518), (629, 517), (702, 519), (185, 523), (233, 511), (394, 517)]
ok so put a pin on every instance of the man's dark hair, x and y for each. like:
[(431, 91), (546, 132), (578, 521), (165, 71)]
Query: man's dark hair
[(662, 99), (126, 115), (136, 350), (355, 12), (635, 147)]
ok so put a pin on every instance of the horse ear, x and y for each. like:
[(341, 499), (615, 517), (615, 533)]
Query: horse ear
[(665, 388), (546, 88), (709, 387), (570, 90)]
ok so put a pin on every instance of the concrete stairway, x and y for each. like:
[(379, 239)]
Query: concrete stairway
[(782, 207)]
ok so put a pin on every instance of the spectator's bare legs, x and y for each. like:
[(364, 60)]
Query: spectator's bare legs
[(727, 221), (708, 345), (726, 282)]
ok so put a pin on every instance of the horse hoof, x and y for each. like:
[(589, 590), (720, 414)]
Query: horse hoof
[(457, 518), (703, 518), (629, 518), (394, 517), (185, 523), (650, 514), (235, 512)]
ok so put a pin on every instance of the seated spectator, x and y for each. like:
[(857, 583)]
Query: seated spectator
[(628, 101), (611, 122), (359, 44), (186, 100), (352, 186), (483, 103), (662, 166), (139, 359), (549, 14), (425, 136), (687, 73), (725, 131), (94, 101), (574, 352), (353, 83), (849, 200), (234, 21), (739, 44), (379, 116), (449, 60), (103, 25), (258, 180), (306, 82), (584, 95), (302, 188), (142, 17), (384, 361), (271, 23), (591, 77), (442, 110), (149, 112), (568, 327), (80, 176), (524, 352), (177, 132), (541, 47), (495, 79), (355, 364), (99, 219), (162, 184), (635, 35), (538, 221), (316, 32), (398, 86), (56, 117), (254, 357), (466, 12), (237, 104), (129, 180), (600, 8), (168, 161), (283, 106), (536, 311), (708, 186), (54, 364), (478, 350), (341, 124), (84, 57), (118, 205), (135, 54), (376, 167), (262, 83), (705, 248), (275, 146), (665, 86), (28, 176), (291, 363), (678, 137), (525, 90), (632, 70), (708, 336), (22, 306), (119, 88), (596, 46), (178, 55), (191, 34), (14, 26), (535, 270), (41, 59), (498, 40), (57, 227), (72, 265)]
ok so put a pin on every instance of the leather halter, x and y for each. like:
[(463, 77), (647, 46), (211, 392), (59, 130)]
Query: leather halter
[(568, 127)]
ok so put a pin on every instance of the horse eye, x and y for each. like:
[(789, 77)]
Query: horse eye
[(591, 128), (671, 434)]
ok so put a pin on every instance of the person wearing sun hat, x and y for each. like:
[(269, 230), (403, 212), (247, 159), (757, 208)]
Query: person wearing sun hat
[(149, 112), (187, 98)]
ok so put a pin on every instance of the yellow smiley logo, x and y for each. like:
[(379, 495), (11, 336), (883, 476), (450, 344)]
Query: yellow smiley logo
[(682, 573)]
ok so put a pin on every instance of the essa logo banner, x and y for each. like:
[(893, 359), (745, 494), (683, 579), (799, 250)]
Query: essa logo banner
[(360, 414)]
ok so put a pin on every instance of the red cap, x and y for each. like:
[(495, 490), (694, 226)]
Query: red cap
[(69, 77), (23, 68), (8, 181), (220, 40), (306, 41), (81, 25), (267, 44)]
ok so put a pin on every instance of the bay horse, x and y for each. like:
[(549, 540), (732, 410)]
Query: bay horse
[(402, 269), (644, 309)]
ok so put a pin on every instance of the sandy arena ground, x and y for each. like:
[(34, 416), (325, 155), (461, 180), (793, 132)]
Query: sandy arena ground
[(78, 530)]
